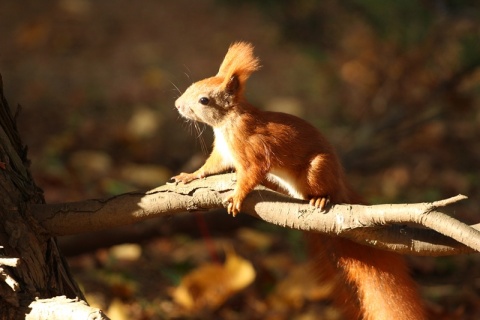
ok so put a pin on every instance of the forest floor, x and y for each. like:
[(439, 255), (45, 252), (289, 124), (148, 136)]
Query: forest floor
[(96, 83)]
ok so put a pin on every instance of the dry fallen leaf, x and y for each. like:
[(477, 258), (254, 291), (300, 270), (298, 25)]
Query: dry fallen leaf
[(210, 285), (239, 271), (118, 310), (255, 239), (126, 251), (298, 287)]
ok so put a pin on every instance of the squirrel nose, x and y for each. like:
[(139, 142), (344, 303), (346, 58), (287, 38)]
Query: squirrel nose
[(178, 103)]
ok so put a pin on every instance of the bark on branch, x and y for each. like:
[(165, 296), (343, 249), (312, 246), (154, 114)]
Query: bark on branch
[(396, 227)]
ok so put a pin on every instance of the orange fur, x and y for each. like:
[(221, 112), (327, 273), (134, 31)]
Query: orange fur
[(288, 152), (239, 60)]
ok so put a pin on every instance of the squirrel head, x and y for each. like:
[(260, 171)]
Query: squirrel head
[(211, 99)]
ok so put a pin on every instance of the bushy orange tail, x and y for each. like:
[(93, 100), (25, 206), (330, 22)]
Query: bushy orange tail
[(371, 284)]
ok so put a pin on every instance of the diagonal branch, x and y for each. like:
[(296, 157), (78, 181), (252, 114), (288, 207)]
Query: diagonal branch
[(381, 226)]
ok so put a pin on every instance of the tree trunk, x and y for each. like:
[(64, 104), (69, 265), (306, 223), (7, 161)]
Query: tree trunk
[(31, 265)]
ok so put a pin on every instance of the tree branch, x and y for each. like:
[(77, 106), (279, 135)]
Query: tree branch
[(410, 240), (382, 226)]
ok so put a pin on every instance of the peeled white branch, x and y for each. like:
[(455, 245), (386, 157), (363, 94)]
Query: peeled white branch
[(9, 262), (63, 308)]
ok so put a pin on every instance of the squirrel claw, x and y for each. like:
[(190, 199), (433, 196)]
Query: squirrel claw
[(233, 207), (320, 202)]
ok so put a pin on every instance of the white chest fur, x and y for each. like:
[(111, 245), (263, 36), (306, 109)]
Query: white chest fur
[(223, 148), (277, 175)]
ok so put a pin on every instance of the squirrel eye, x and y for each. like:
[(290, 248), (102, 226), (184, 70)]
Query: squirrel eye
[(204, 100)]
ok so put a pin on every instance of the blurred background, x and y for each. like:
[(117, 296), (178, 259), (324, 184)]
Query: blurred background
[(395, 86)]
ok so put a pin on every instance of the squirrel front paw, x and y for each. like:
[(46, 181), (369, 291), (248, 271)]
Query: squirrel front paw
[(186, 177), (234, 205), (320, 202)]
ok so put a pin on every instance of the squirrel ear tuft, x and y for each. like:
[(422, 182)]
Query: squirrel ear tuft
[(238, 65)]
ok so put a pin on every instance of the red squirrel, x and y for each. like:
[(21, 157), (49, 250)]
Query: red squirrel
[(287, 152)]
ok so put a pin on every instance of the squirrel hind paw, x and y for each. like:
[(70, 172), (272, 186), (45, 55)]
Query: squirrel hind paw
[(320, 202)]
